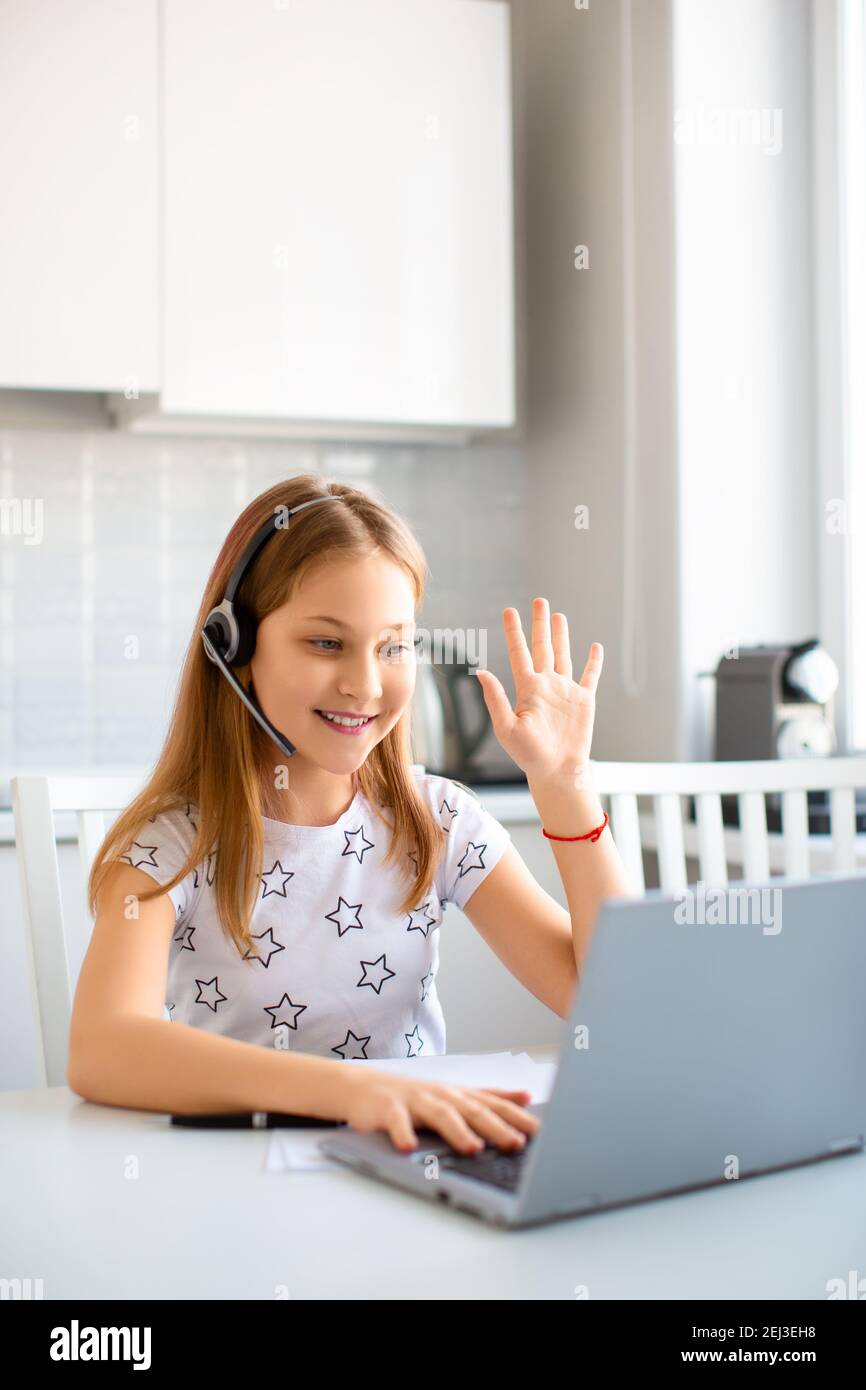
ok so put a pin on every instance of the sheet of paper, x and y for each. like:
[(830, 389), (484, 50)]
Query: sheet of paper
[(507, 1071), (297, 1150)]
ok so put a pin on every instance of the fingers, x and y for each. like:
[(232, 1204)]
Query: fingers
[(502, 716), (550, 641), (561, 645), (465, 1118), (592, 669), (431, 1110), (542, 650), (447, 1118), (400, 1129), (516, 1114), (518, 652)]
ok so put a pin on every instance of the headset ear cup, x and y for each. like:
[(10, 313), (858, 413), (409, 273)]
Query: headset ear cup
[(219, 629), (246, 638)]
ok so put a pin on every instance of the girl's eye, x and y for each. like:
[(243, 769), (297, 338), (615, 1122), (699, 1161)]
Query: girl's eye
[(392, 647)]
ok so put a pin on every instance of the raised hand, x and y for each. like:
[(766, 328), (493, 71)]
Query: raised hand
[(549, 731)]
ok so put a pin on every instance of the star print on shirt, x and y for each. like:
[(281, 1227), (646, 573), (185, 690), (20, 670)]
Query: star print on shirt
[(450, 812), (275, 880), (341, 914), (358, 1046), (473, 851), (285, 1012), (382, 975), (210, 871), (421, 920), (146, 855), (204, 989), (305, 929), (274, 947), (355, 848)]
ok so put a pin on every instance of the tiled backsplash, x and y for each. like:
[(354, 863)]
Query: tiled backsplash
[(130, 528)]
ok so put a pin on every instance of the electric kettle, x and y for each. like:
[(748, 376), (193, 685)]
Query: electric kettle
[(449, 720)]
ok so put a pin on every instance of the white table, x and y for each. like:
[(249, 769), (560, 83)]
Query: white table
[(202, 1219)]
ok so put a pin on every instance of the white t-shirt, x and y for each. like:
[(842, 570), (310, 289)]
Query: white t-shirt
[(337, 970)]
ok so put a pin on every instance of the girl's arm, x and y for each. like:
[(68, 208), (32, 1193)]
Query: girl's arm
[(591, 870), (152, 1064), (123, 1052), (548, 734)]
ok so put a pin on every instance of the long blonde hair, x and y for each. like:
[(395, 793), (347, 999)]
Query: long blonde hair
[(214, 748)]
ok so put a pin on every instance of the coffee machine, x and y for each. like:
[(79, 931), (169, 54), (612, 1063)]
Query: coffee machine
[(776, 701)]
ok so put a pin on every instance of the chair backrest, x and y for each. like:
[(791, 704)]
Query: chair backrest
[(35, 798), (620, 784)]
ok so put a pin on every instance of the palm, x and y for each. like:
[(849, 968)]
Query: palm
[(550, 727)]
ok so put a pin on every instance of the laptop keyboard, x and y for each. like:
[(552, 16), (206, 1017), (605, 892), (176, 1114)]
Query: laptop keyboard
[(502, 1169)]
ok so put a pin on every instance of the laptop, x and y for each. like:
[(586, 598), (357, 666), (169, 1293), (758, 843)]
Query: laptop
[(697, 1052)]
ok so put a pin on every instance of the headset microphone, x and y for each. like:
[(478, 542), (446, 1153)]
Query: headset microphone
[(229, 636)]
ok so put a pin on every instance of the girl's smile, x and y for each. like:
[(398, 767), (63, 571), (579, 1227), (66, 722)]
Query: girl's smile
[(345, 727)]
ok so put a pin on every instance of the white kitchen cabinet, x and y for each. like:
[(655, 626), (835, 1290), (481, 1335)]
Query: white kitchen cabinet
[(338, 211), (79, 231)]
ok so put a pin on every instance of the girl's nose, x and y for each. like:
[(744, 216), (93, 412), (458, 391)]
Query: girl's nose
[(361, 681)]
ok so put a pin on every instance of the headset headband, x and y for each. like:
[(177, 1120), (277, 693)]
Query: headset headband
[(264, 533)]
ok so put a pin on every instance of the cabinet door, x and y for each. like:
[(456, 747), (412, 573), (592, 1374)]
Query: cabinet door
[(338, 210), (78, 195)]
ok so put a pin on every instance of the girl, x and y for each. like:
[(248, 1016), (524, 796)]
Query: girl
[(280, 899)]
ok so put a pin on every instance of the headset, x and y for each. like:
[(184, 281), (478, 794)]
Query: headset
[(229, 637)]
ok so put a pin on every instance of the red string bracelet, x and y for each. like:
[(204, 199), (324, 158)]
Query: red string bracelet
[(592, 835)]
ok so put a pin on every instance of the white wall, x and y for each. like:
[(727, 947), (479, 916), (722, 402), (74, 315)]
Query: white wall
[(745, 360), (724, 502), (572, 119)]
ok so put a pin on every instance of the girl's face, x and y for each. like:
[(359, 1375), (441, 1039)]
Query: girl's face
[(343, 644)]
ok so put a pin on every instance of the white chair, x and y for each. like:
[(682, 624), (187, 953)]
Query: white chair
[(709, 840), (510, 1016), (35, 798)]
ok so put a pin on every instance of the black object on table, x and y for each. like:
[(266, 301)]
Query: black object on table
[(254, 1119)]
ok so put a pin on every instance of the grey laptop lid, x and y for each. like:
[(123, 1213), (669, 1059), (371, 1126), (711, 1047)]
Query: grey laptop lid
[(712, 1038), (702, 1050)]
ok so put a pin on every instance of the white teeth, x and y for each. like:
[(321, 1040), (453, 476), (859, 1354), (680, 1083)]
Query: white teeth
[(341, 719)]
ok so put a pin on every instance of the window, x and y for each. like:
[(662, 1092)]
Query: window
[(852, 242)]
